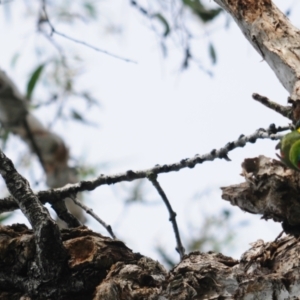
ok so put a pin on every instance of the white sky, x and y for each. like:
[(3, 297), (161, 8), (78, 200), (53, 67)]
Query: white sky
[(153, 113)]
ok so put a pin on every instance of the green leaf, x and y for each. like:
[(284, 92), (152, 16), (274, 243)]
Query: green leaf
[(163, 20), (33, 80), (5, 217), (78, 117), (205, 14), (212, 53), (90, 9)]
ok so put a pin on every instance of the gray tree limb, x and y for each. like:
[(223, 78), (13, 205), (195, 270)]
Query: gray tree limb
[(70, 190), (272, 35), (48, 146)]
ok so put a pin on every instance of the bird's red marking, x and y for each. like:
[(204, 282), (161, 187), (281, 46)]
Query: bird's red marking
[(282, 154)]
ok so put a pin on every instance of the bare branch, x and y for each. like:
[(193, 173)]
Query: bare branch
[(64, 214), (91, 212), (58, 194), (140, 8), (153, 178), (286, 111), (54, 31), (50, 252)]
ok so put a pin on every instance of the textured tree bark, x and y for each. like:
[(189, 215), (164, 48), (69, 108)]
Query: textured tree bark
[(97, 267), (270, 32), (270, 189), (105, 269)]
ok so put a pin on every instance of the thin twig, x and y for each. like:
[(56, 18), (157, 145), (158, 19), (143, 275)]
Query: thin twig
[(153, 178), (68, 190), (286, 111), (91, 212), (140, 8), (54, 31), (64, 214)]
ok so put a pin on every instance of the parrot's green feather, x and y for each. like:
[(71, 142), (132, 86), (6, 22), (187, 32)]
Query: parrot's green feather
[(295, 154), (290, 149)]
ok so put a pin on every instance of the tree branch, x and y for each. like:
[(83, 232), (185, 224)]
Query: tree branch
[(91, 212), (54, 31), (272, 35), (50, 252), (64, 214), (53, 153), (286, 111), (58, 194), (153, 178)]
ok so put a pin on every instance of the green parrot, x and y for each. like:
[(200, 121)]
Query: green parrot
[(290, 149)]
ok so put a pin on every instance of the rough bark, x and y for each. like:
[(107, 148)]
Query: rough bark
[(270, 32), (97, 267), (270, 189), (272, 35), (101, 268)]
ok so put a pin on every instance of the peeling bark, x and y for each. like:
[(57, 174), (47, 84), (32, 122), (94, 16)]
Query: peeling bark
[(96, 267), (270, 32), (90, 256), (101, 268), (270, 189)]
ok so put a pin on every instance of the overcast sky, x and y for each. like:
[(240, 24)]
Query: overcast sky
[(153, 113)]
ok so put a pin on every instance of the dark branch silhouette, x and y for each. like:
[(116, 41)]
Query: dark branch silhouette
[(95, 216), (153, 178), (69, 190)]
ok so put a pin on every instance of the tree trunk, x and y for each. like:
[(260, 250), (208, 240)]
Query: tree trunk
[(45, 263), (105, 269)]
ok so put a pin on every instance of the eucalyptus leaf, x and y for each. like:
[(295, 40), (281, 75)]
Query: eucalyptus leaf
[(212, 53), (205, 14), (5, 217), (35, 76), (163, 20)]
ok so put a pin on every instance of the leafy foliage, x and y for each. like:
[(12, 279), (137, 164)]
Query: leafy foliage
[(179, 28)]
